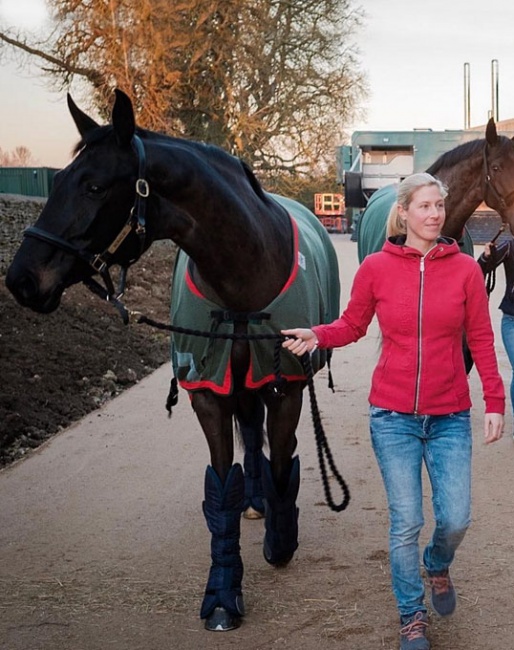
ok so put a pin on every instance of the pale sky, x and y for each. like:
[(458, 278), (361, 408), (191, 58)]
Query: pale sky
[(413, 53)]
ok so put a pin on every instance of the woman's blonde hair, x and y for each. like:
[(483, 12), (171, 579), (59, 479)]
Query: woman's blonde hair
[(406, 189)]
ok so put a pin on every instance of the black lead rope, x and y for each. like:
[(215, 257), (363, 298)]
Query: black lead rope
[(322, 446), (490, 276)]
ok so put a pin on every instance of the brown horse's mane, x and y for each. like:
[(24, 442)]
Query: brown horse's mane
[(454, 156)]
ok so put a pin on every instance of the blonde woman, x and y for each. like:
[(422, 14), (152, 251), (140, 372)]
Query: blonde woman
[(426, 295)]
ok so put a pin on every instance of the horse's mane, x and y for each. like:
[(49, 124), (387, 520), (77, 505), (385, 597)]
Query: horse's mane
[(92, 137), (215, 154), (454, 156), (211, 152)]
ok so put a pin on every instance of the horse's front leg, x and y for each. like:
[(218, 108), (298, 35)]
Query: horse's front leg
[(222, 606), (281, 476)]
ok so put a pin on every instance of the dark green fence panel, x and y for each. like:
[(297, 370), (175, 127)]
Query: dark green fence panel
[(27, 181)]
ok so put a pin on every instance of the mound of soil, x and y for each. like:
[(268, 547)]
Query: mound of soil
[(56, 368)]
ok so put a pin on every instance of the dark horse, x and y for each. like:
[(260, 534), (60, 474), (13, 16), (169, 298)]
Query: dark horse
[(242, 251), (476, 171)]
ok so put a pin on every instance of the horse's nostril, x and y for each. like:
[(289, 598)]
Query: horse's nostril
[(24, 288)]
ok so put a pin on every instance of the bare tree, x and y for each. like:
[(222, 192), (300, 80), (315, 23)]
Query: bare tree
[(272, 81), (20, 157)]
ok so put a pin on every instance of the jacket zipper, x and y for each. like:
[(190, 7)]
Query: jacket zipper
[(420, 332)]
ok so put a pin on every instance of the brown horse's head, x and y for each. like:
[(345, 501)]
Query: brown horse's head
[(499, 174)]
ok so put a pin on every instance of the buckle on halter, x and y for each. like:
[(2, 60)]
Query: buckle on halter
[(142, 188), (98, 263)]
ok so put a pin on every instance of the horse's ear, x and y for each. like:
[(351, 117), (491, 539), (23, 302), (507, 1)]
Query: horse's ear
[(491, 135), (83, 122), (123, 119)]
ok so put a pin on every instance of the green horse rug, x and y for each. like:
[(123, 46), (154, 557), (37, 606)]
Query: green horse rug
[(310, 296)]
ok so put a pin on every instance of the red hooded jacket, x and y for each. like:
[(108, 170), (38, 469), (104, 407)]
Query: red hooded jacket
[(424, 304)]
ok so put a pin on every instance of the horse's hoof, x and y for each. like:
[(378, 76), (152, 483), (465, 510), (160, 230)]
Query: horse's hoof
[(221, 621), (276, 561), (279, 564), (252, 513)]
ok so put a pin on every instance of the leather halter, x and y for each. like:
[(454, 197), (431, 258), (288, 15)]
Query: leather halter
[(489, 187), (100, 262)]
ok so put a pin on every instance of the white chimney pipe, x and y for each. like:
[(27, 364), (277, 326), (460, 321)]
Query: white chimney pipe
[(494, 89), (467, 123)]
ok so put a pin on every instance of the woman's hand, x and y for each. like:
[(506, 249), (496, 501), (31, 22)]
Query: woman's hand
[(302, 340), (493, 429), (487, 250)]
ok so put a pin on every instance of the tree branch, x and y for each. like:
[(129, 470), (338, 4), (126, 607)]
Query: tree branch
[(92, 75)]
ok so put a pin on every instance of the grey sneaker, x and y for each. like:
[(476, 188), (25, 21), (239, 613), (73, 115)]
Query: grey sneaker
[(444, 598), (413, 632)]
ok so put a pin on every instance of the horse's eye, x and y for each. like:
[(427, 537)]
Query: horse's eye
[(495, 168), (95, 190)]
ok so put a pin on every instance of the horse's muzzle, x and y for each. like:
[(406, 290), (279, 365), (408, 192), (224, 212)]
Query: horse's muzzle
[(25, 288)]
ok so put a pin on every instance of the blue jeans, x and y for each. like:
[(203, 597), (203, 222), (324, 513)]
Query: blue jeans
[(508, 344), (402, 442)]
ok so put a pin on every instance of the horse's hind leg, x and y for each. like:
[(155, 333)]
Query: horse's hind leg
[(250, 418), (281, 478)]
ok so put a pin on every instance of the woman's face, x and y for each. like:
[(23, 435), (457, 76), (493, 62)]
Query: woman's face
[(424, 217)]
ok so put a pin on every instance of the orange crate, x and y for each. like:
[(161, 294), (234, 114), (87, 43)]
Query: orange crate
[(328, 205)]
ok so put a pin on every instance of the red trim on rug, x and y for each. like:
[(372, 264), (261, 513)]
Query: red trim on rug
[(249, 383), (296, 250), (191, 285), (266, 380), (224, 389)]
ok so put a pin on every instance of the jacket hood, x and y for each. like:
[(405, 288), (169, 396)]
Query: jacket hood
[(444, 246)]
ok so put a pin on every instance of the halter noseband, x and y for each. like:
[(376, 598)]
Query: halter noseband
[(100, 262)]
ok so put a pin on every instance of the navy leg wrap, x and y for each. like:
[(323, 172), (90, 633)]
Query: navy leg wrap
[(281, 538), (222, 509)]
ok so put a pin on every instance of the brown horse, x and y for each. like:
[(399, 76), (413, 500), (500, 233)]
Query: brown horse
[(249, 263), (474, 172)]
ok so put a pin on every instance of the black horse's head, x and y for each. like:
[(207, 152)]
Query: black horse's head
[(87, 223)]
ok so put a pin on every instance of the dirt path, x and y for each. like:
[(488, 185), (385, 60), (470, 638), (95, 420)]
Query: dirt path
[(103, 543)]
